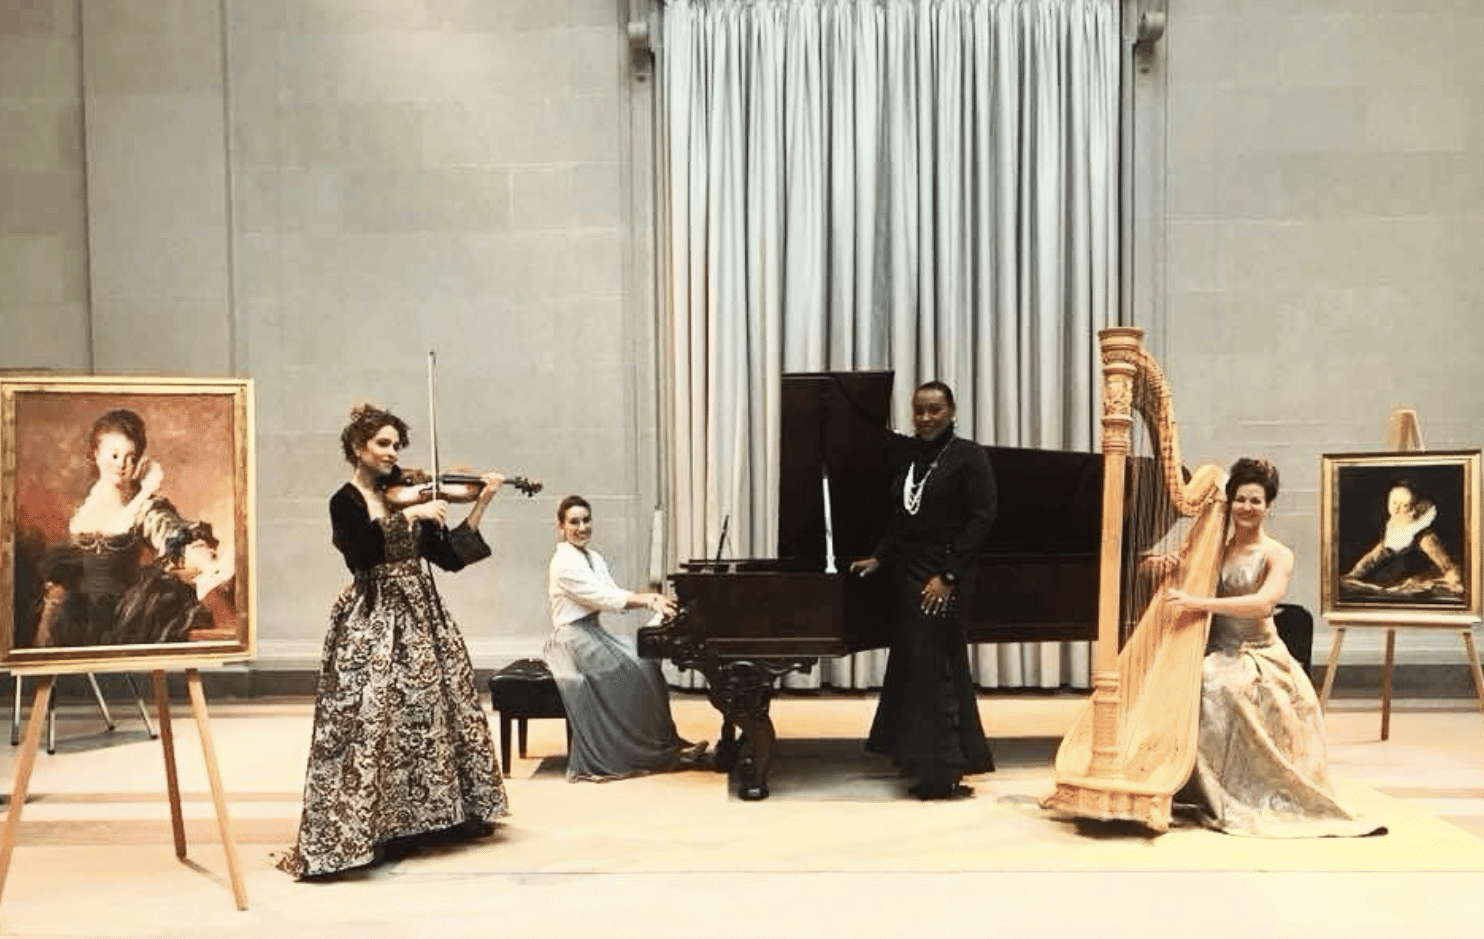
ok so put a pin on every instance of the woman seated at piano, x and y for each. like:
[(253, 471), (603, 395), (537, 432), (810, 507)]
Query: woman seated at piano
[(1261, 768), (943, 504), (618, 707)]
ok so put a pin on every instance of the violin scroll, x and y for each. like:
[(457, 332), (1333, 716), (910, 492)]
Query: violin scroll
[(528, 487)]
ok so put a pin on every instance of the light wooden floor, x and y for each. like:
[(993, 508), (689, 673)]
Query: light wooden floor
[(837, 851)]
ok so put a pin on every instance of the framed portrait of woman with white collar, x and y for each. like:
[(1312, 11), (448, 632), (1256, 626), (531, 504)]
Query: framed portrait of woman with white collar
[(1399, 537), (125, 522)]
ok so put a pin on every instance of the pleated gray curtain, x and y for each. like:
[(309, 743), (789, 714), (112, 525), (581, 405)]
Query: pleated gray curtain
[(926, 186)]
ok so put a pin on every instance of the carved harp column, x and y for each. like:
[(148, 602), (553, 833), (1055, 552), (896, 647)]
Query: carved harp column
[(1120, 351), (1133, 745)]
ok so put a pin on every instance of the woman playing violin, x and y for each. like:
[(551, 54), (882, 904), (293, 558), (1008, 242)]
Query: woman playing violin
[(401, 749)]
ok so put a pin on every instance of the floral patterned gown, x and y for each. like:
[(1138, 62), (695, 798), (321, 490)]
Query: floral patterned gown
[(401, 745)]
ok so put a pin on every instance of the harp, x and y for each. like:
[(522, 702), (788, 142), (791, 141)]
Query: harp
[(1133, 744)]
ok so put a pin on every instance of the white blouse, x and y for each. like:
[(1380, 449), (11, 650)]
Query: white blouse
[(579, 584)]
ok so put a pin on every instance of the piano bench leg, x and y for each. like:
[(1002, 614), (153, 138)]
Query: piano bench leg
[(521, 731), (504, 742)]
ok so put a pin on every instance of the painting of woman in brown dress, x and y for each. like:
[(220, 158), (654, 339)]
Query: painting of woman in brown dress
[(132, 570)]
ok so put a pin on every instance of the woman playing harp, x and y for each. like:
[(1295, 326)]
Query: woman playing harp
[(1260, 763), (1150, 721)]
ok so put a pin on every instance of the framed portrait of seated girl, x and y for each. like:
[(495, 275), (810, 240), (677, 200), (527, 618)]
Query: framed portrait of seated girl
[(126, 533), (1399, 537)]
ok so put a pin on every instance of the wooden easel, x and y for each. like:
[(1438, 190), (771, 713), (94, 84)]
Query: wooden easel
[(32, 740), (1405, 435)]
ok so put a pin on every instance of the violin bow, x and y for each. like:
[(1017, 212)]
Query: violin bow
[(433, 418)]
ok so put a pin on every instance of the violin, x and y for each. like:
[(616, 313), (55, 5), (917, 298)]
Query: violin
[(404, 487)]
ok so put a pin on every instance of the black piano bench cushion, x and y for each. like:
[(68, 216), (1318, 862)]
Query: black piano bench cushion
[(522, 690), (525, 688)]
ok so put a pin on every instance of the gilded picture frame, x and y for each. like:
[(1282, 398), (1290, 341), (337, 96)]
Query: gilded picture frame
[(126, 523), (1399, 537)]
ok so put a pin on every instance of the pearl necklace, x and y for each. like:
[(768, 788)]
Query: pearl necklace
[(912, 491)]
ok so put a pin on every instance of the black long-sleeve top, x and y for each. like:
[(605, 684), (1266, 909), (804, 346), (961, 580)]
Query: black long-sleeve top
[(957, 509), (365, 542)]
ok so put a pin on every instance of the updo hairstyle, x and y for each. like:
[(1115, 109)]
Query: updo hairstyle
[(365, 421), (1253, 470)]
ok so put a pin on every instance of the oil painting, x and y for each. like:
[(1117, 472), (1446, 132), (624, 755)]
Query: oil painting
[(1399, 537), (125, 522)]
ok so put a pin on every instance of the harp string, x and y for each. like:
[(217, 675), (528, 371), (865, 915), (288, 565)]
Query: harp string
[(1153, 529), (1133, 744)]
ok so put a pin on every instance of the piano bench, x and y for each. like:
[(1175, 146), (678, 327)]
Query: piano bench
[(522, 690)]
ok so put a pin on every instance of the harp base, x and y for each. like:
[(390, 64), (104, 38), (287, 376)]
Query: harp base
[(1106, 800)]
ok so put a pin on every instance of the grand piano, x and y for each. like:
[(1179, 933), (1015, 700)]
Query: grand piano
[(744, 623)]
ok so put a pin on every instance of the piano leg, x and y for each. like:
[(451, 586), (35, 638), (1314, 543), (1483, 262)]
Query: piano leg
[(743, 692), (724, 758)]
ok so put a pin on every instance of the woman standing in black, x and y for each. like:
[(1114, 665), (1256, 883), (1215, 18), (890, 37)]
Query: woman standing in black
[(943, 501)]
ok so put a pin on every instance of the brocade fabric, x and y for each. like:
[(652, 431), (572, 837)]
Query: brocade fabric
[(401, 745), (1261, 768)]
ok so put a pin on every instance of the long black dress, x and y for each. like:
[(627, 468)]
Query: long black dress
[(927, 719), (401, 745)]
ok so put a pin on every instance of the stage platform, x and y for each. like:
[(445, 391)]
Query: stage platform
[(839, 849)]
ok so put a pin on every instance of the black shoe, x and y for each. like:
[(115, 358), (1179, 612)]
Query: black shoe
[(400, 849), (941, 791), (475, 828), (692, 756)]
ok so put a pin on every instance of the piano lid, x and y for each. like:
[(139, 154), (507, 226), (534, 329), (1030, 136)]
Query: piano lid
[(840, 421), (1050, 502)]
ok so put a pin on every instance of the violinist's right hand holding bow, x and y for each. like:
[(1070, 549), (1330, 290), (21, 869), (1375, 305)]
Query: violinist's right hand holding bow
[(434, 510)]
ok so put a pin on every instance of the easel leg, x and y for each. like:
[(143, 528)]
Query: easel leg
[(15, 715), (172, 781), (139, 700), (51, 725), (1472, 651), (1329, 670), (208, 749), (102, 702), (1386, 663), (39, 708)]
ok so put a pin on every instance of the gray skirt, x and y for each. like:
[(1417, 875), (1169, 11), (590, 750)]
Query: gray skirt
[(618, 706)]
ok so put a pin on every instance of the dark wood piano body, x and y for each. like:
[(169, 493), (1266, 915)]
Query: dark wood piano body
[(745, 623)]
